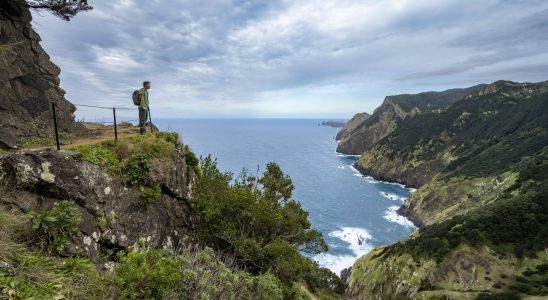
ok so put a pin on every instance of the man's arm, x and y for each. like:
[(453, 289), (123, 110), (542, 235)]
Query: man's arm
[(141, 101)]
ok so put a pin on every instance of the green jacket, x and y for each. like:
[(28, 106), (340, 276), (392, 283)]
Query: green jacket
[(143, 104)]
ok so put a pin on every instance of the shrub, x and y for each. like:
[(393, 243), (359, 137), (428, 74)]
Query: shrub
[(147, 275), (149, 195), (192, 162), (192, 274), (268, 286), (136, 168), (34, 275), (101, 156), (106, 220), (59, 224), (262, 227)]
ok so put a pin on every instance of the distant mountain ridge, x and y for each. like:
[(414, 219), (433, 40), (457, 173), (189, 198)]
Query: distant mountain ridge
[(363, 133), (479, 165)]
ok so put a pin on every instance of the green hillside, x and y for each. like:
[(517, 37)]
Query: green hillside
[(480, 165)]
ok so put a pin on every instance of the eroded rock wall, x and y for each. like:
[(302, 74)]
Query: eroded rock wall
[(29, 81), (113, 216)]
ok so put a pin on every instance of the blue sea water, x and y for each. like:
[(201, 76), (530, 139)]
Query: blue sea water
[(354, 213)]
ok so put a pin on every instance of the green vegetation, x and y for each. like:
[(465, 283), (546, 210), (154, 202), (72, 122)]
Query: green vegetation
[(519, 220), (37, 141), (106, 220), (194, 274), (131, 159), (515, 225), (58, 224), (256, 220), (149, 195), (488, 134), (31, 274), (192, 162), (34, 141), (255, 227)]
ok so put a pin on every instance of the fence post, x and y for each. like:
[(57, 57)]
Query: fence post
[(55, 125), (115, 129), (150, 120)]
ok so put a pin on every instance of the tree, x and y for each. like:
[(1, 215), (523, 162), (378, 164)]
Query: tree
[(64, 9), (263, 228), (277, 186)]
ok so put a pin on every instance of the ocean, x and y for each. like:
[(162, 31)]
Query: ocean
[(354, 213)]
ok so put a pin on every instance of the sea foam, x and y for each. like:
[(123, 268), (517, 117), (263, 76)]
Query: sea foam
[(392, 215), (356, 238), (392, 197), (346, 155)]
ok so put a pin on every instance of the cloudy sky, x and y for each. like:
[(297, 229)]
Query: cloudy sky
[(293, 58)]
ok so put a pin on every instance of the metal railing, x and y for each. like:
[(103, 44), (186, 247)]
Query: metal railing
[(114, 120)]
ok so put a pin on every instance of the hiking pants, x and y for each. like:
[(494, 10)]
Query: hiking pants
[(143, 116)]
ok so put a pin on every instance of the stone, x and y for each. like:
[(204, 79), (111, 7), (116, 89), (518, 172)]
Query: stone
[(8, 140), (48, 176), (29, 81)]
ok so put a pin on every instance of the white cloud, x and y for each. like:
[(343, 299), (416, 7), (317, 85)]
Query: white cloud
[(291, 58)]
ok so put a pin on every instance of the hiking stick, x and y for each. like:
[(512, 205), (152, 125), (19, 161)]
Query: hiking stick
[(150, 120)]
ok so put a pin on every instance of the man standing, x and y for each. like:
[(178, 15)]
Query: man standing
[(143, 106)]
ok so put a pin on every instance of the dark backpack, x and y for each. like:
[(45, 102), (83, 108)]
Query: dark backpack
[(135, 97)]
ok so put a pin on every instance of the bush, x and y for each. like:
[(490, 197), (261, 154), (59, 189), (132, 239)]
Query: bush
[(256, 220), (59, 224), (192, 274), (192, 162), (101, 156), (147, 275), (136, 168), (149, 195), (34, 275)]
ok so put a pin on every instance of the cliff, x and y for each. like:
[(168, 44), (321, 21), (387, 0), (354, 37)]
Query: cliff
[(466, 151), (115, 215), (29, 81), (351, 125), (481, 199), (364, 132)]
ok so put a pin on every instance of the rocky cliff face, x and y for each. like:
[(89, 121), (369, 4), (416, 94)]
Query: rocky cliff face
[(351, 125), (366, 131), (29, 81), (113, 217), (479, 168), (468, 147)]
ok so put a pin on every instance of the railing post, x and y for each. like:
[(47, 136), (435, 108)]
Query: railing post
[(115, 129), (55, 125)]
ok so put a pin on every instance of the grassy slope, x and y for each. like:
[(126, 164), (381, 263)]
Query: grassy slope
[(488, 207), (500, 247)]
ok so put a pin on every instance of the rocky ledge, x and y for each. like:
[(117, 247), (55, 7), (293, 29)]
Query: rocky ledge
[(112, 215)]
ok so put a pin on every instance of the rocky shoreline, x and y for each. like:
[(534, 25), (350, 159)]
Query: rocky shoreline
[(404, 210)]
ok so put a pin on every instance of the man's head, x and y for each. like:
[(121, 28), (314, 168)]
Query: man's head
[(146, 84)]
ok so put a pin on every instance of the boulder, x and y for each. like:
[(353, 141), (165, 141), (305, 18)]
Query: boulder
[(113, 217)]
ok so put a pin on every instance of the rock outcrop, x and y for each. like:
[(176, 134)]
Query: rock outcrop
[(366, 131), (113, 217), (351, 125), (29, 81)]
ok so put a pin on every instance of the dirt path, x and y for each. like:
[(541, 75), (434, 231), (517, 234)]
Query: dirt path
[(97, 133), (100, 133)]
